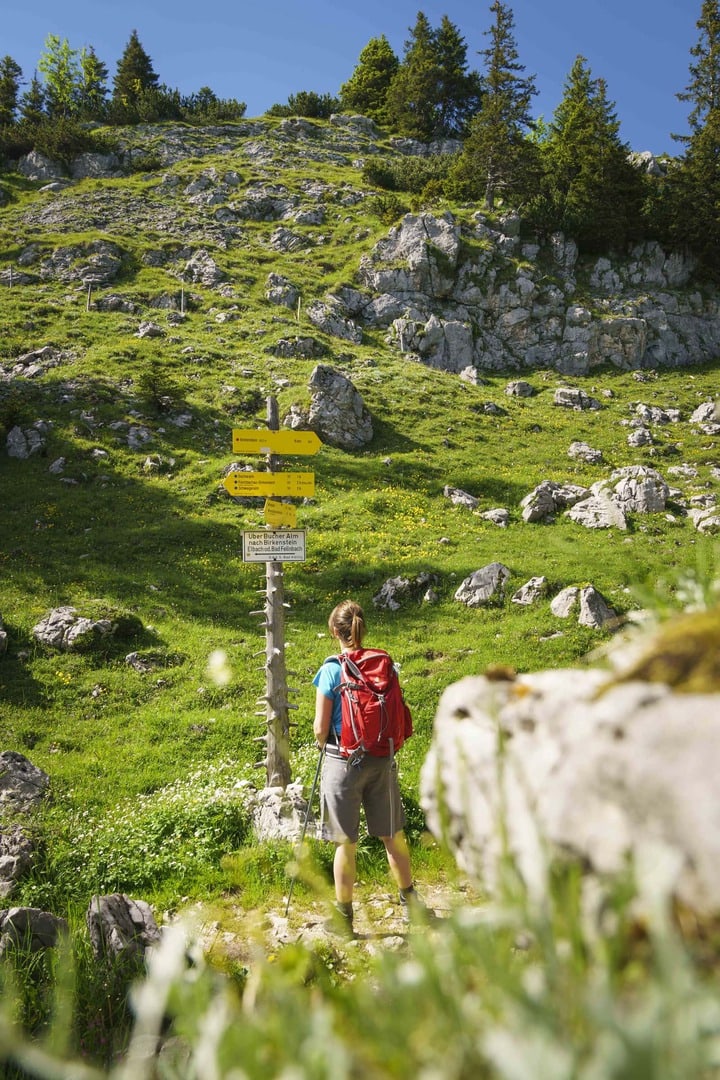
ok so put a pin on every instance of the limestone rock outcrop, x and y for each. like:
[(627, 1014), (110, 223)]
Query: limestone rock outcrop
[(586, 765)]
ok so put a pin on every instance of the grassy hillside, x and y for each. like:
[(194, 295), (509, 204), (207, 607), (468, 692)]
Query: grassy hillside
[(135, 756)]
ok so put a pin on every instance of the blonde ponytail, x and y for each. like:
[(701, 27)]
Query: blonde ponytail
[(347, 623)]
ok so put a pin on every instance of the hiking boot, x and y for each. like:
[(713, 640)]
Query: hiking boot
[(413, 907), (341, 920)]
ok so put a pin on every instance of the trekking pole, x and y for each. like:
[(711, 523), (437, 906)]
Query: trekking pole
[(304, 828)]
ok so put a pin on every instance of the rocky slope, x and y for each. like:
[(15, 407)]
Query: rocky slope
[(458, 291)]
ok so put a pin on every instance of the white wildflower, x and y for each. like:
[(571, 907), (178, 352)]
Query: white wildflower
[(218, 668)]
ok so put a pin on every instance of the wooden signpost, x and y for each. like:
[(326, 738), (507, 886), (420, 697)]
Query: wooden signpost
[(277, 543)]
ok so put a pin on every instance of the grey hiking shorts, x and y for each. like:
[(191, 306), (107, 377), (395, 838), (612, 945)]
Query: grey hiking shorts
[(372, 786)]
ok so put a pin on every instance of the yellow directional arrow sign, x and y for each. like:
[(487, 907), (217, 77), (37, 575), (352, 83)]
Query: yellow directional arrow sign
[(270, 483), (278, 513), (275, 442)]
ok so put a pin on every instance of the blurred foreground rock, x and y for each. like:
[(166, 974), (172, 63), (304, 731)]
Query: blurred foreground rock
[(577, 764)]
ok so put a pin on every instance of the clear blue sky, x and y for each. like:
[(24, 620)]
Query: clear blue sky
[(260, 51)]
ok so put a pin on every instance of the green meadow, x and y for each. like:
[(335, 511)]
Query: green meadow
[(144, 765)]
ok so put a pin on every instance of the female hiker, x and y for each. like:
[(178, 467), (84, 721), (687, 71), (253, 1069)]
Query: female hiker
[(360, 779)]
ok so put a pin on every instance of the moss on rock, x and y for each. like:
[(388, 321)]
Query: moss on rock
[(684, 654)]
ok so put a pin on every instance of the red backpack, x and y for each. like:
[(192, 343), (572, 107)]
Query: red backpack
[(375, 718)]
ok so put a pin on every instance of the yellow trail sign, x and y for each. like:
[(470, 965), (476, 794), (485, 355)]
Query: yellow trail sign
[(285, 441), (300, 485), (278, 513)]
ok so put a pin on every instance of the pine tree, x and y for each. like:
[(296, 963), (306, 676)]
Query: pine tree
[(93, 90), (433, 94), (703, 90), (459, 93), (60, 67), (134, 80), (10, 76), (695, 201), (412, 96), (32, 103), (497, 157), (366, 90), (689, 204), (590, 190)]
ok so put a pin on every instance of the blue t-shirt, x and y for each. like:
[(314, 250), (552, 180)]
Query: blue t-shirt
[(327, 681)]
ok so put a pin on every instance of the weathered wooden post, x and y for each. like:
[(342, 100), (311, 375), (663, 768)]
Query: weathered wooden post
[(278, 726), (278, 542)]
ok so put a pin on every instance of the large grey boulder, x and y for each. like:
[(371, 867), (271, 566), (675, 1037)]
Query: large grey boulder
[(418, 257), (35, 363), (550, 498), (300, 348), (705, 413), (361, 124), (572, 397), (653, 414), (519, 388), (532, 591), (279, 290), (266, 202), (707, 417), (566, 600), (706, 519), (98, 166), (330, 316), (286, 240), (22, 786), (460, 498), (29, 929), (553, 768), (444, 344), (600, 510), (593, 610), (485, 586), (38, 166), (95, 263), (337, 411), (640, 489), (641, 436), (279, 813), (17, 849), (581, 451), (499, 516), (120, 927), (202, 269), (396, 591), (64, 629), (23, 443)]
